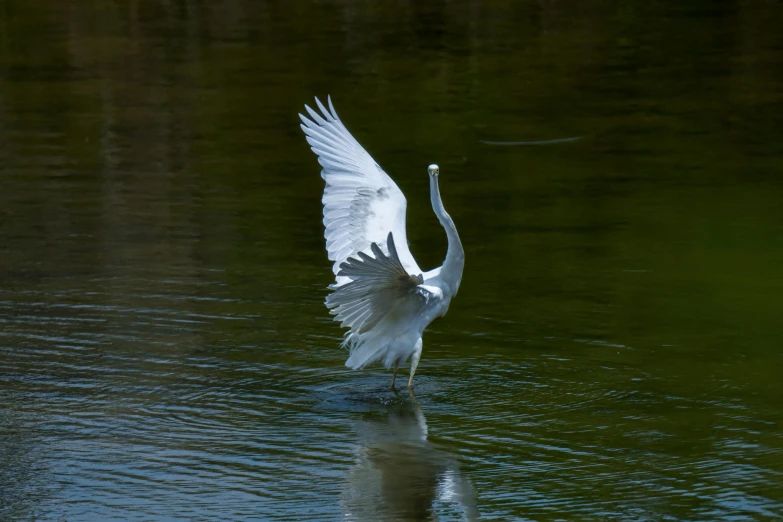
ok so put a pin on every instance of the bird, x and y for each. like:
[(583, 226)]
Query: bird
[(380, 294)]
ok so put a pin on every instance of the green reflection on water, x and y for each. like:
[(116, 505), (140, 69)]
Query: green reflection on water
[(621, 293)]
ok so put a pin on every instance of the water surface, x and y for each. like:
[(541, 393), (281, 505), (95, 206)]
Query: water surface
[(613, 353)]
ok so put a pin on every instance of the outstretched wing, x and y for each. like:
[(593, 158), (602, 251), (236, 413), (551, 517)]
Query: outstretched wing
[(379, 286), (362, 204)]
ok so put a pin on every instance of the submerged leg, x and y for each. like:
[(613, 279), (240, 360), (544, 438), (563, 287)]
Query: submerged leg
[(394, 377), (415, 361)]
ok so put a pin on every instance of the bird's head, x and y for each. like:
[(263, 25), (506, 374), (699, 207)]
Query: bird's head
[(433, 170)]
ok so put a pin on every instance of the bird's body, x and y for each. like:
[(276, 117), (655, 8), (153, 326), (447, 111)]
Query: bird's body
[(380, 292)]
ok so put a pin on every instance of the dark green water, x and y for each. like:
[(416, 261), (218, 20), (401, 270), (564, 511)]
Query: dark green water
[(615, 349)]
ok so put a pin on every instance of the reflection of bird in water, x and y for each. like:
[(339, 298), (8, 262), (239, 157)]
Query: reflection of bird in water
[(380, 292), (400, 475)]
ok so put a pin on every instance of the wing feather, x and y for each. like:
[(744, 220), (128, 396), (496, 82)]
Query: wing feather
[(362, 205), (378, 286)]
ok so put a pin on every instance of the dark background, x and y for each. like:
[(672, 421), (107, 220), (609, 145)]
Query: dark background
[(613, 353)]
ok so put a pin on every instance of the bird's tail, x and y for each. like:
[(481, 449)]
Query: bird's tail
[(369, 348)]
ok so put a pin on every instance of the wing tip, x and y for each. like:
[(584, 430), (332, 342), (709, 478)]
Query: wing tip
[(324, 116), (330, 113)]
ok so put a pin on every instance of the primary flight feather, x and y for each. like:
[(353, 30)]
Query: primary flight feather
[(380, 293)]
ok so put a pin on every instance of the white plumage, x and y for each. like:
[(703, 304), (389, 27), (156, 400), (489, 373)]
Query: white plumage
[(380, 292)]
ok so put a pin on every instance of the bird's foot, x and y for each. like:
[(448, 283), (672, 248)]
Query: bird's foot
[(394, 376)]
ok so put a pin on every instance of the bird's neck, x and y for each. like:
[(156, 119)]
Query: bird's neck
[(451, 271)]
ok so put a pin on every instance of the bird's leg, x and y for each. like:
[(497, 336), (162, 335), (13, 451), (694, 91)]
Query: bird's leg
[(415, 361), (394, 377)]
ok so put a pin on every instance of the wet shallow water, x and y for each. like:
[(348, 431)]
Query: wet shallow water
[(613, 353)]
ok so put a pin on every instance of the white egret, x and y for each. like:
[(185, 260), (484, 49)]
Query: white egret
[(380, 292)]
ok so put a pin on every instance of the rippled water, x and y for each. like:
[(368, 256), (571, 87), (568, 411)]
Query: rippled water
[(613, 354)]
